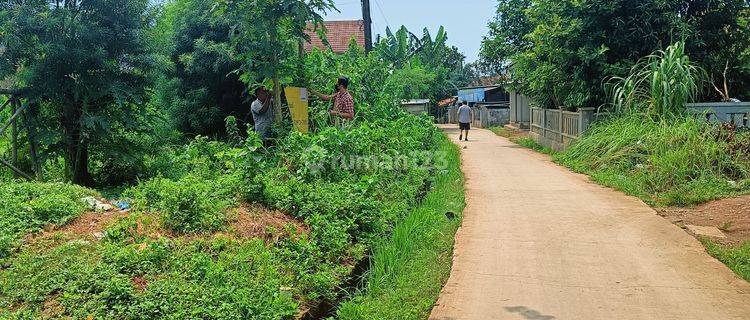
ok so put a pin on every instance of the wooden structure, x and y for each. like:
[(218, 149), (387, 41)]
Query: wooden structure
[(20, 120)]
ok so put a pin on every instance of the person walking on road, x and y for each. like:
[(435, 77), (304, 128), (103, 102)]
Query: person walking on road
[(464, 120)]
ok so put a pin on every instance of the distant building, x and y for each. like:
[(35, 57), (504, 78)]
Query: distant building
[(494, 94), (491, 105), (339, 34), (416, 106)]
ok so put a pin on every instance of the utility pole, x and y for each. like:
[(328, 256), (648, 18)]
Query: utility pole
[(368, 24)]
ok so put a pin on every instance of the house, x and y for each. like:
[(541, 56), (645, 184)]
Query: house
[(490, 103), (495, 94), (416, 106), (339, 35)]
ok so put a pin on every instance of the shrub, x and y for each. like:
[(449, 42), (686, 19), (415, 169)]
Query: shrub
[(27, 206), (186, 205), (661, 84)]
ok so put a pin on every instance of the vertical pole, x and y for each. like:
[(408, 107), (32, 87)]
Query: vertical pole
[(586, 117), (560, 125), (14, 136), (544, 122), (368, 24)]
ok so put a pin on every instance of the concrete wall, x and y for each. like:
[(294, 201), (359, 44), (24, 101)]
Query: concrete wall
[(737, 113), (490, 117), (520, 112), (416, 109)]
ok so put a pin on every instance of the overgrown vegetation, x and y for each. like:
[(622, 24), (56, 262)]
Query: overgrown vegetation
[(676, 161), (28, 207), (409, 267), (562, 52), (178, 252)]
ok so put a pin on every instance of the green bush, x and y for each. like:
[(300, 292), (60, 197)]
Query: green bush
[(27, 206), (162, 279), (186, 205)]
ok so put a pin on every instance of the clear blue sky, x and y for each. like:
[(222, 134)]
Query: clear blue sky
[(465, 21)]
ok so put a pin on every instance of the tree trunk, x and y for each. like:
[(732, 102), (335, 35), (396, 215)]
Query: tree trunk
[(80, 167), (76, 150), (277, 100)]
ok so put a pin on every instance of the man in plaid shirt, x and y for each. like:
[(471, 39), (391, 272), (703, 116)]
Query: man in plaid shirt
[(343, 103)]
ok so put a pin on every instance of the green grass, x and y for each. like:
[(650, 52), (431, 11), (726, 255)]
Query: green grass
[(502, 131), (736, 258), (523, 141), (533, 145), (677, 162), (409, 268), (28, 206)]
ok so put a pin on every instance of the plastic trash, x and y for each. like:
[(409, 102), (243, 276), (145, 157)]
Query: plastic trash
[(122, 205)]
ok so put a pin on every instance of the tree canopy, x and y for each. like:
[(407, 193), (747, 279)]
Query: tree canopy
[(562, 52), (85, 64)]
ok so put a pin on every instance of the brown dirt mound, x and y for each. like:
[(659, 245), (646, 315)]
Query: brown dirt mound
[(139, 283), (731, 216), (255, 221), (92, 222), (247, 222)]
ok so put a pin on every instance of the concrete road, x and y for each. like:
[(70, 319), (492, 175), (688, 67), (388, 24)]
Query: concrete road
[(540, 242)]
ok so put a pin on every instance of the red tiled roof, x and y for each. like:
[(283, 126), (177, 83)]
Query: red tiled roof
[(339, 33), (446, 102)]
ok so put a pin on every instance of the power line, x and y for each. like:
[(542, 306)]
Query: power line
[(380, 9)]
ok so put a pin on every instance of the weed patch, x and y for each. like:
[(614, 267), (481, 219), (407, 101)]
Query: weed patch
[(409, 267), (27, 207), (736, 257), (680, 161)]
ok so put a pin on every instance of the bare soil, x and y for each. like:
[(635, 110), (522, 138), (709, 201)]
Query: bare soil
[(246, 222), (255, 221), (731, 216)]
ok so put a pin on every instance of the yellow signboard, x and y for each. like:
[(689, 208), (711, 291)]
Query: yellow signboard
[(297, 98)]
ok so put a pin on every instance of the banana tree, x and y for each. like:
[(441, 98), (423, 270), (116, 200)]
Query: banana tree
[(434, 51), (398, 48)]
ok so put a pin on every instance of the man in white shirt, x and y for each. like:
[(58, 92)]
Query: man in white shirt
[(464, 120), (262, 113)]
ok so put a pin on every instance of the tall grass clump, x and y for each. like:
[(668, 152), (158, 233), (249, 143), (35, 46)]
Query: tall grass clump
[(409, 267), (660, 84), (681, 162), (652, 148)]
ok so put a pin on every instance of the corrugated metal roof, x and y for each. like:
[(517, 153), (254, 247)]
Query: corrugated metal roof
[(416, 101)]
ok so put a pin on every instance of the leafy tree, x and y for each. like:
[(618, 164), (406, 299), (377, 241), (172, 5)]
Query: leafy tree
[(506, 36), (86, 65), (201, 87), (563, 51), (425, 59), (267, 36), (398, 48)]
